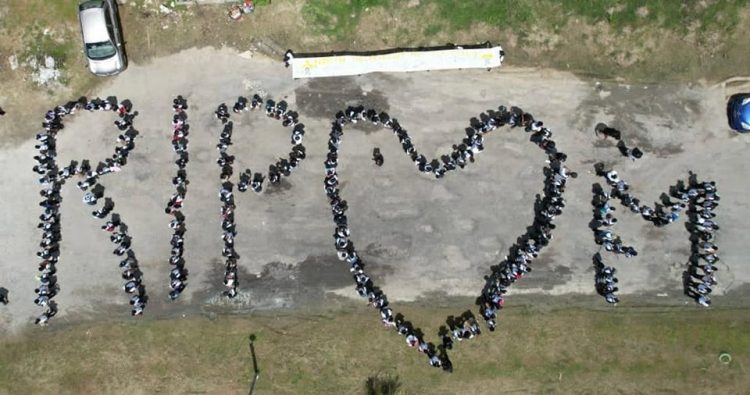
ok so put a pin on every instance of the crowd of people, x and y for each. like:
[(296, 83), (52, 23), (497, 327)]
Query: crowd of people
[(702, 198), (52, 180), (462, 153), (513, 267), (247, 179), (178, 274), (605, 280), (699, 198), (546, 208), (604, 219)]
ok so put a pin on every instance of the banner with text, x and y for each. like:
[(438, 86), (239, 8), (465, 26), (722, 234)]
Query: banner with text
[(342, 65)]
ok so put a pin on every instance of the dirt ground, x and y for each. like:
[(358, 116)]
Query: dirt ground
[(422, 238)]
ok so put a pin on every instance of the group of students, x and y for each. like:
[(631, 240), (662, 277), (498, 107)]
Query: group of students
[(546, 208), (50, 219), (53, 178), (699, 198), (604, 219), (283, 166), (605, 280), (702, 198), (247, 179), (178, 273), (663, 213), (602, 224), (462, 153), (513, 267)]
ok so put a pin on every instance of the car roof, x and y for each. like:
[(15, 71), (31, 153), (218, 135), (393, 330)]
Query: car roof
[(93, 25), (745, 111)]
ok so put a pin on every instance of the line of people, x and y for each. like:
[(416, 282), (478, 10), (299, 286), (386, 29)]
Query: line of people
[(702, 199), (528, 246), (604, 220), (178, 274), (50, 219), (461, 154), (247, 179), (53, 178), (512, 268), (663, 213), (605, 280)]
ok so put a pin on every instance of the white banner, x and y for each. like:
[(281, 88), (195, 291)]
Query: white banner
[(341, 65)]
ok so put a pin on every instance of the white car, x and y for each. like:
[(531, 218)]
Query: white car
[(102, 37)]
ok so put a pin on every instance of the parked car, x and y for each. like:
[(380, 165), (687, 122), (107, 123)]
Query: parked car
[(102, 36), (738, 112)]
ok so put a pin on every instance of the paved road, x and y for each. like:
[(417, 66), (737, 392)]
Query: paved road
[(420, 236)]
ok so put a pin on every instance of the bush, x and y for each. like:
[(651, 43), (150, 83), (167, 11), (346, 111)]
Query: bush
[(382, 384)]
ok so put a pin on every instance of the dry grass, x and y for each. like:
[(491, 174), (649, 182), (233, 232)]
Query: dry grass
[(559, 351)]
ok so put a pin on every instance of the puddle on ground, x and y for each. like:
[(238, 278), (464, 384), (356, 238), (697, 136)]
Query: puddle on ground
[(324, 97)]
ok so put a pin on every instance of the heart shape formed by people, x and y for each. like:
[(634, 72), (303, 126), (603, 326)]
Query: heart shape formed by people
[(282, 168), (513, 267)]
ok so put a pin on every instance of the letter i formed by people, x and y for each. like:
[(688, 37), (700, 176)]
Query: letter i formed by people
[(180, 130), (88, 177)]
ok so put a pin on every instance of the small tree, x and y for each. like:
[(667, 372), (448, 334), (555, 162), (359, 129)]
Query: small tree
[(382, 384)]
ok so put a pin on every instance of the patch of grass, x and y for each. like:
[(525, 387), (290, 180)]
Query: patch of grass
[(338, 18), (44, 28), (40, 45), (348, 351), (673, 15), (462, 14), (61, 9), (722, 15), (50, 14), (432, 29)]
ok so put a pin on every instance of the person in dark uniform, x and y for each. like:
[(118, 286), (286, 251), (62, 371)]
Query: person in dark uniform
[(377, 157), (4, 295)]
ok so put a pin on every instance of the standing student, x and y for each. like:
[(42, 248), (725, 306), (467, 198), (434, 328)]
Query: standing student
[(4, 295)]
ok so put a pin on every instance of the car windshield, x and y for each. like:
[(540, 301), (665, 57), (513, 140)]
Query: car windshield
[(90, 4), (100, 51)]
